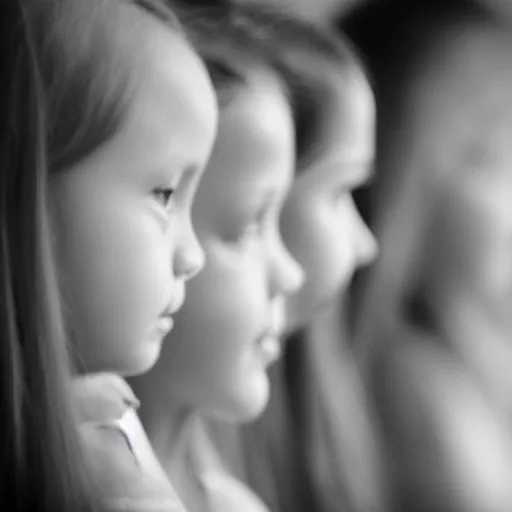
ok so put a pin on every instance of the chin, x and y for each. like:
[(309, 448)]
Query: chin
[(248, 403), (142, 360), (256, 398)]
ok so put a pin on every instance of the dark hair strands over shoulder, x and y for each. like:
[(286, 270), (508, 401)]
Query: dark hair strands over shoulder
[(33, 375)]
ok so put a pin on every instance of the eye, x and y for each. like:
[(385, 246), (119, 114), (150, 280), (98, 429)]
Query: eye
[(163, 195), (254, 229), (251, 232)]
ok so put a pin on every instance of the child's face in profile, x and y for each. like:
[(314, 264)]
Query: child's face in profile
[(124, 235), (227, 334), (320, 223), (467, 133)]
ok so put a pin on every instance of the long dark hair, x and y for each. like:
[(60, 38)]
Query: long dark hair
[(61, 97)]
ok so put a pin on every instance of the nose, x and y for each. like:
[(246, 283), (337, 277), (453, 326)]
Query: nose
[(367, 246), (189, 257), (286, 275)]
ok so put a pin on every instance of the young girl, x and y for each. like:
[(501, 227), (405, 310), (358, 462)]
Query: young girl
[(313, 448), (104, 141), (433, 315), (228, 331), (130, 219)]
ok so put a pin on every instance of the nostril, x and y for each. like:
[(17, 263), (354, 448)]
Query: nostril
[(189, 263)]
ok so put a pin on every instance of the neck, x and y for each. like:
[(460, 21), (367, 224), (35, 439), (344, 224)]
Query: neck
[(169, 426)]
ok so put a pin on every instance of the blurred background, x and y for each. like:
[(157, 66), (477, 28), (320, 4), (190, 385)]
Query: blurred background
[(323, 10)]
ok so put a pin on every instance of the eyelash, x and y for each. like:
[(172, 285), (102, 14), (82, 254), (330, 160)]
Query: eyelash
[(253, 229), (163, 195)]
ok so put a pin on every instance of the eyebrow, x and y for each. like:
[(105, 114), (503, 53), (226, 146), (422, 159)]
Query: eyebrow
[(265, 201), (260, 206), (188, 171)]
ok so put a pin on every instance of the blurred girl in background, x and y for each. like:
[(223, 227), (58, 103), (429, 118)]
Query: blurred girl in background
[(215, 362), (432, 317), (313, 448)]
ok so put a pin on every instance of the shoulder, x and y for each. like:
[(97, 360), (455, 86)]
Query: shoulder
[(111, 431), (452, 446)]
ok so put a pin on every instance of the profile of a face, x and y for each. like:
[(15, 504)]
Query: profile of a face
[(320, 222), (125, 243), (467, 128), (229, 329)]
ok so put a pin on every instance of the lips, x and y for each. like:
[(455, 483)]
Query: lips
[(164, 324), (270, 344), (175, 305), (278, 316), (165, 321), (270, 347)]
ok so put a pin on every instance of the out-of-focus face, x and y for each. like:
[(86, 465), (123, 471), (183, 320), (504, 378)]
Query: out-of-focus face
[(467, 124), (320, 223), (227, 334), (125, 243)]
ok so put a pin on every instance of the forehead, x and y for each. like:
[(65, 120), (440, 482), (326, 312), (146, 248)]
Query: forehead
[(254, 146), (347, 117), (257, 126), (173, 101)]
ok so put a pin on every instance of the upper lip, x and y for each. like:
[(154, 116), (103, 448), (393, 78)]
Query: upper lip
[(173, 307), (171, 310), (272, 333)]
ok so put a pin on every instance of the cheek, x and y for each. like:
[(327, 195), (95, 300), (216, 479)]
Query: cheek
[(230, 294), (493, 247), (319, 235), (479, 234), (225, 311), (115, 270)]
